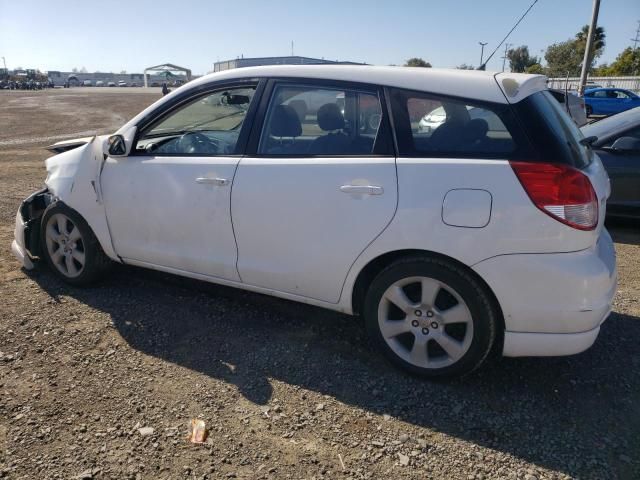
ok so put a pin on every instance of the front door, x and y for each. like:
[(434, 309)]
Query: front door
[(318, 188), (168, 203)]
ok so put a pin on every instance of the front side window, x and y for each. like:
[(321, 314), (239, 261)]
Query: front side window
[(311, 120), (431, 125), (209, 125)]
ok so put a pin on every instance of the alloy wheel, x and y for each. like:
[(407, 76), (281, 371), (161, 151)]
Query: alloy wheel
[(425, 322), (65, 245)]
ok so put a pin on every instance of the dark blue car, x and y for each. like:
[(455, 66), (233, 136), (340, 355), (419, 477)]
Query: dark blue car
[(607, 101)]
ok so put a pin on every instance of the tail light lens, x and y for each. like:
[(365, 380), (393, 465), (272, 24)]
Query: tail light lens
[(560, 191)]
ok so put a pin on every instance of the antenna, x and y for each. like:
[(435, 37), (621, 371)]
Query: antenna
[(634, 40)]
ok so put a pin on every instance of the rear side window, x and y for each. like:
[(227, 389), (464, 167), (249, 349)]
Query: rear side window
[(313, 120), (429, 125), (555, 136)]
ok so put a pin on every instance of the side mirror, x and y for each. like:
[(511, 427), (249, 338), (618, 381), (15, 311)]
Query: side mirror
[(116, 146), (626, 145)]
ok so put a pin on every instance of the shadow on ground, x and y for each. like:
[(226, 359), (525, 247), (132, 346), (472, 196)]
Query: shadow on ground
[(526, 407), (624, 230)]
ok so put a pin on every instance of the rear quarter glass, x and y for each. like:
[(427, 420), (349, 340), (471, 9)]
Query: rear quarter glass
[(554, 135)]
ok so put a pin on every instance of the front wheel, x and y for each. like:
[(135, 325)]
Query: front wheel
[(430, 317), (588, 110), (70, 247)]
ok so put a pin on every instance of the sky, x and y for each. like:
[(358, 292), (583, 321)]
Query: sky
[(115, 35)]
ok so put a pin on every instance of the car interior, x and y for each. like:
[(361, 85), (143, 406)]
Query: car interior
[(336, 127), (461, 132)]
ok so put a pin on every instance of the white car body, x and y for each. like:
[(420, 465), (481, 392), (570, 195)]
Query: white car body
[(285, 228)]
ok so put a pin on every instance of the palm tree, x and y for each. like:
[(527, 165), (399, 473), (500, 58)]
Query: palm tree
[(598, 39), (597, 46)]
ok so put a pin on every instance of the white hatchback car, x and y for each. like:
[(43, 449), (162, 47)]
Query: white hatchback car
[(473, 236)]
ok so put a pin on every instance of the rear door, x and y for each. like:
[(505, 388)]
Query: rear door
[(318, 186)]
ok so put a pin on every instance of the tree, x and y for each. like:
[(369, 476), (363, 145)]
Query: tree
[(464, 66), (563, 59), (536, 68), (417, 62), (626, 63), (566, 57), (74, 69), (520, 60), (123, 72), (597, 47), (83, 70)]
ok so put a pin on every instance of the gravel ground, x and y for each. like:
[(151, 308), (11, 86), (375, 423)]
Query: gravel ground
[(101, 382)]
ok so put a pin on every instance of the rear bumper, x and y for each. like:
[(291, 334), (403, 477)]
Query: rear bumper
[(517, 344), (553, 304)]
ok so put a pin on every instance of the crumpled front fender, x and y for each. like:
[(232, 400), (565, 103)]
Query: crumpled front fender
[(73, 177)]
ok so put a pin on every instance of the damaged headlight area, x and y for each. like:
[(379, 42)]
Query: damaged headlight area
[(31, 212)]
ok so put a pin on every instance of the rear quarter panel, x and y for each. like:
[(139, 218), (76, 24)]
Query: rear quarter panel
[(515, 224)]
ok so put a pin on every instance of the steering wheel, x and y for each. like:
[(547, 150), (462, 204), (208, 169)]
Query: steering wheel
[(196, 142)]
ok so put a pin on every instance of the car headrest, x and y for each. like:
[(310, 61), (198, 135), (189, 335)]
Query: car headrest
[(330, 117), (300, 106), (476, 128), (285, 122)]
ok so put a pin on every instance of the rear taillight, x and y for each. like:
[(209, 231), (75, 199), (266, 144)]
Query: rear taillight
[(561, 192)]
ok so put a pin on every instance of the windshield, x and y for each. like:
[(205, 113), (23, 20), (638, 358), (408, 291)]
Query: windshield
[(613, 124)]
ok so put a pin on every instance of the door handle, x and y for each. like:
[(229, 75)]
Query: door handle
[(362, 189), (212, 181)]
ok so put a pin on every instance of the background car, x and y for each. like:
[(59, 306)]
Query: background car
[(99, 83), (573, 104), (122, 83), (111, 84), (618, 146), (608, 101), (87, 83)]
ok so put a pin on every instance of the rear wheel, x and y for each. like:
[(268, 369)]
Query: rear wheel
[(70, 247), (430, 317)]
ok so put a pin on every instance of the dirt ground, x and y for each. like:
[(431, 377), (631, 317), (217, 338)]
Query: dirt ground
[(101, 382)]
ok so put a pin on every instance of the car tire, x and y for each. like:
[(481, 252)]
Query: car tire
[(588, 110), (431, 317), (69, 246)]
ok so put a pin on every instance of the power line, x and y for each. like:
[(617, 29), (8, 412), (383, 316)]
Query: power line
[(484, 65)]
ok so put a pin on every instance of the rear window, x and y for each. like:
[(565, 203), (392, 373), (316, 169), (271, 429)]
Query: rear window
[(554, 135), (431, 125)]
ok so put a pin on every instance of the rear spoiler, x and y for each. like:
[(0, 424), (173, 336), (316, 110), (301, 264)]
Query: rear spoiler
[(518, 86), (65, 145)]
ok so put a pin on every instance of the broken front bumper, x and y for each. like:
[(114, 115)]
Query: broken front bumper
[(26, 242)]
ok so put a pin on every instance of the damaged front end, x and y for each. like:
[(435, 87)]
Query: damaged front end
[(26, 243), (73, 177)]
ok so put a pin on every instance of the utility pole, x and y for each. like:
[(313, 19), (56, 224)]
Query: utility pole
[(635, 51), (292, 48), (5, 62), (504, 59), (482, 44), (586, 62)]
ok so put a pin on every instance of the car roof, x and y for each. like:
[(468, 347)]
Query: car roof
[(605, 89), (498, 87), (455, 82), (611, 126)]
